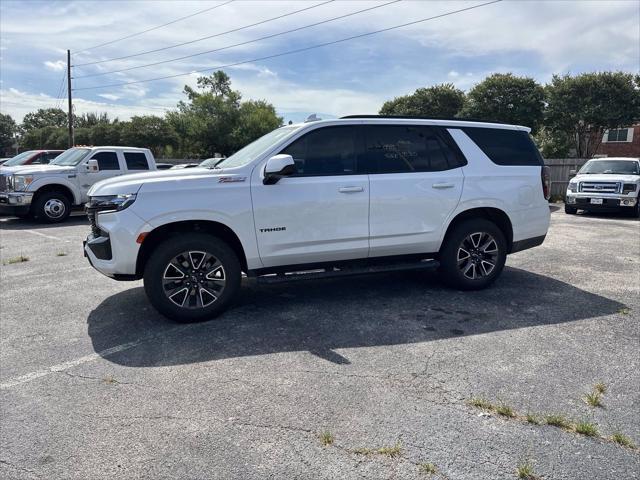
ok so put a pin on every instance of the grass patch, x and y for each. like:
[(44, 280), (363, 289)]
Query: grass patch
[(61, 254), (480, 402), (593, 399), (427, 468), (525, 471), (559, 421), (393, 452), (326, 438), (624, 310), (110, 380), (533, 419), (622, 439), (586, 428), (600, 387), (505, 411), (18, 259)]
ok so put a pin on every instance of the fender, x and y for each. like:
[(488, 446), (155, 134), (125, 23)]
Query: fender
[(61, 180)]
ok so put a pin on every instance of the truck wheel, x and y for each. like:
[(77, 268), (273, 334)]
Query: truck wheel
[(636, 209), (570, 210), (473, 255), (51, 207), (192, 277)]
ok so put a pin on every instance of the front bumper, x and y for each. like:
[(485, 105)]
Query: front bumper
[(17, 203), (602, 202), (112, 249)]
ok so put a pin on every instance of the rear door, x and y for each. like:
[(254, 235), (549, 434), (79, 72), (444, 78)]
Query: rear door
[(321, 213), (415, 181)]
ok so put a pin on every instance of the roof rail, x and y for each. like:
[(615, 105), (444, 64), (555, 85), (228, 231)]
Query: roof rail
[(417, 117)]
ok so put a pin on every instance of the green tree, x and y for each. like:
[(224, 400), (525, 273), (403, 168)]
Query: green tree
[(8, 129), (91, 119), (443, 100), (584, 106), (44, 117), (147, 131), (503, 97), (214, 119), (46, 137)]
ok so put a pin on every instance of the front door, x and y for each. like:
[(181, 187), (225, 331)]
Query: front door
[(319, 214), (109, 166)]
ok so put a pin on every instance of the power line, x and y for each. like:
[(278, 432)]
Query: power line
[(207, 37), (290, 52), (154, 28), (239, 44)]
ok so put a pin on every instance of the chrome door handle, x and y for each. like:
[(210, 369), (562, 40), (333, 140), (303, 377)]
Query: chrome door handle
[(442, 185), (350, 189)]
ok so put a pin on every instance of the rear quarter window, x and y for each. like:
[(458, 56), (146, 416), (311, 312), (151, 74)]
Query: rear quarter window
[(136, 161), (505, 147)]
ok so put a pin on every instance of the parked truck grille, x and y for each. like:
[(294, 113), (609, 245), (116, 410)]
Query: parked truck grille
[(600, 187)]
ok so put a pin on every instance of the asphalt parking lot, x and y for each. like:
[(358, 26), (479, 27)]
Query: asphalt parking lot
[(95, 384)]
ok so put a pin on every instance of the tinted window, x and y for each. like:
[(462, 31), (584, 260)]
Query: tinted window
[(325, 151), (40, 159), (107, 160), (136, 161), (505, 147), (409, 148)]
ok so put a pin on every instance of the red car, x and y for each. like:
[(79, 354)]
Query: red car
[(32, 157)]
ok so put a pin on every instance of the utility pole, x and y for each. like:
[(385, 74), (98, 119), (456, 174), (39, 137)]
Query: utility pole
[(71, 142)]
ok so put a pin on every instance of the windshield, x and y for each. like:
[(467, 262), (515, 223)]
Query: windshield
[(71, 157), (251, 151), (19, 159), (624, 167)]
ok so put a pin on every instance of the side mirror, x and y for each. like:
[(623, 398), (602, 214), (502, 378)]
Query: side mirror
[(92, 166), (277, 167)]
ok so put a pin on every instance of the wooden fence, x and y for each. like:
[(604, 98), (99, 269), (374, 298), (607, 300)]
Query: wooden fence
[(560, 168)]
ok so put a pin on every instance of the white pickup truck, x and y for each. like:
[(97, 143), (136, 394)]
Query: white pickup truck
[(48, 192)]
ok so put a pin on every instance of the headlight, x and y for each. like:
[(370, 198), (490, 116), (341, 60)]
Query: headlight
[(105, 203), (18, 183), (573, 187)]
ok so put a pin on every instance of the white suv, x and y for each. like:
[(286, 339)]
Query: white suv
[(605, 184), (352, 195)]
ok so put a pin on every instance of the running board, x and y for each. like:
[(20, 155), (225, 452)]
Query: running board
[(332, 272)]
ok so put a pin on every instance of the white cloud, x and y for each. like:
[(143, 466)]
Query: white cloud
[(453, 74), (109, 96), (56, 66)]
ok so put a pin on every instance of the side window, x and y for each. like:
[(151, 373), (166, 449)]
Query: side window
[(408, 148), (40, 159), (504, 146), (52, 155), (107, 160), (325, 151), (136, 161)]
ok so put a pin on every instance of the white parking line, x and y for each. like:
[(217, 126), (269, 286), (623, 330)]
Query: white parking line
[(12, 382), (46, 236)]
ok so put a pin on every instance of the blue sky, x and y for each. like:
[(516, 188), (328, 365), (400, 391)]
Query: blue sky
[(534, 38)]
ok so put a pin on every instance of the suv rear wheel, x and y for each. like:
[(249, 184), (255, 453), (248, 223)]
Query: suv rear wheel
[(473, 255), (570, 210), (192, 277), (52, 207)]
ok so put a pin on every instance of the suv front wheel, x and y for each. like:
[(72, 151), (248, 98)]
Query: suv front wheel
[(473, 255), (192, 277)]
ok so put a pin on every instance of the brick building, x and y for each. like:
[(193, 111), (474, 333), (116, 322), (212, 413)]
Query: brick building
[(621, 142)]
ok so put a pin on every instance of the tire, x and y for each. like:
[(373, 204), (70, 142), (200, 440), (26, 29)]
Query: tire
[(51, 207), (484, 244), (636, 209), (175, 277), (570, 210)]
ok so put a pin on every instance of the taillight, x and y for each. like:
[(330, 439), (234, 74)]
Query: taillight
[(545, 177)]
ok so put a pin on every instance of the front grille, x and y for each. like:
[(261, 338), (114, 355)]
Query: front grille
[(92, 211), (600, 187), (3, 183)]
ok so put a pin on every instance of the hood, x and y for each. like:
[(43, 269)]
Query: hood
[(126, 184), (606, 177), (36, 170)]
